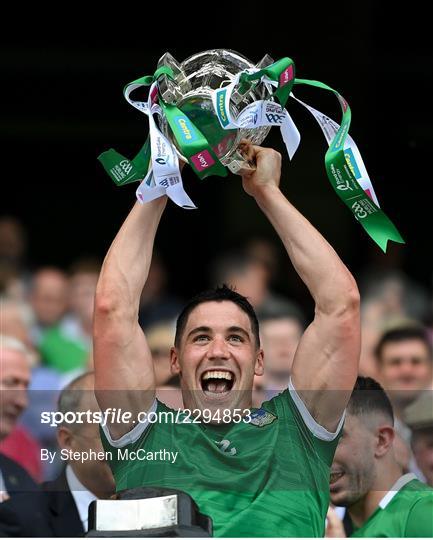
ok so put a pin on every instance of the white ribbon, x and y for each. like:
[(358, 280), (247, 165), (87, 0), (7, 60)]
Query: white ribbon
[(164, 175), (351, 152), (257, 114)]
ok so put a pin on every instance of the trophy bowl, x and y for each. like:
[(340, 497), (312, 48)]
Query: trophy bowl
[(191, 88)]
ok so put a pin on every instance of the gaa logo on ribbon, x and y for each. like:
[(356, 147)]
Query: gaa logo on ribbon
[(359, 211), (126, 166)]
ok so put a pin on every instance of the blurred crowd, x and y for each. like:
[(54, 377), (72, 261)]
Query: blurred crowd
[(46, 332)]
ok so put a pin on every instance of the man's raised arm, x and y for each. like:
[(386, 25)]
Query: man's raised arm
[(124, 374), (325, 366)]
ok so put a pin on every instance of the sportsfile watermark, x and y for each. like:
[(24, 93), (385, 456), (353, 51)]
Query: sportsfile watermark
[(114, 415)]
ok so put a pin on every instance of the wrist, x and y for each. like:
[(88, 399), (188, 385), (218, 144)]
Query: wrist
[(266, 193)]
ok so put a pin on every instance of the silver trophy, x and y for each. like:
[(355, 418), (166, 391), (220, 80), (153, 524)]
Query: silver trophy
[(191, 88)]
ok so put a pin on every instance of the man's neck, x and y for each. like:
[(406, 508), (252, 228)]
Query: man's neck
[(91, 486), (387, 476)]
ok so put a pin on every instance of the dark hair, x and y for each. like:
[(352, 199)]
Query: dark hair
[(404, 333), (218, 294), (369, 397)]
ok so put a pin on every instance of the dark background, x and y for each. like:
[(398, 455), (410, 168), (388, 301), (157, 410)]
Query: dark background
[(63, 74)]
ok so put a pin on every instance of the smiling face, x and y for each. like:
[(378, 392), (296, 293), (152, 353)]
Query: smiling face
[(353, 468), (405, 368), (217, 358)]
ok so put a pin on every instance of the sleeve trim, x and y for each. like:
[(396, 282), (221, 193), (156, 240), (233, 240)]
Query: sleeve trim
[(316, 429), (133, 435)]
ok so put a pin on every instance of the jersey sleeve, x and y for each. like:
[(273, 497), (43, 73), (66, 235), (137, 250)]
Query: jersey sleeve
[(126, 470), (316, 429), (289, 406), (132, 436), (420, 520)]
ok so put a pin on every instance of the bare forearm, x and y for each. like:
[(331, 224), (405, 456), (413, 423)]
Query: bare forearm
[(126, 265), (327, 278)]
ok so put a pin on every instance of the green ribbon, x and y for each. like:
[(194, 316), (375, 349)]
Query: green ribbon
[(375, 222), (191, 141), (202, 158), (282, 72), (124, 171), (192, 144)]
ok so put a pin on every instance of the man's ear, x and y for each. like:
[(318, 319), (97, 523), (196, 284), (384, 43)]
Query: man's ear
[(174, 361), (259, 365), (384, 440), (64, 437)]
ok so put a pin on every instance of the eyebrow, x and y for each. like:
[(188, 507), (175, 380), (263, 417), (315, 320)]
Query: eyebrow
[(207, 329), (239, 330), (199, 329)]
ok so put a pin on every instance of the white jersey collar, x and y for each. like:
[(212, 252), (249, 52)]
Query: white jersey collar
[(401, 482)]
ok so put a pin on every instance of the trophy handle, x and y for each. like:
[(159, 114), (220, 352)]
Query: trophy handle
[(238, 163)]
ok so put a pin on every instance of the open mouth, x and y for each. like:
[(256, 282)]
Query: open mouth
[(335, 476), (217, 383)]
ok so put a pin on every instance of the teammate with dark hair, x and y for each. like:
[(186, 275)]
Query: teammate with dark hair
[(366, 478)]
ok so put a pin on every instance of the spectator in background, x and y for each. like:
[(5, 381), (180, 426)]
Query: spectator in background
[(62, 507), (11, 286), (14, 379), (13, 247), (160, 338), (405, 368), (366, 478), (49, 296), (264, 251), (372, 327), (156, 304), (250, 276), (419, 417), (390, 299), (395, 293), (281, 328), (84, 276), (245, 274), (16, 320), (67, 345)]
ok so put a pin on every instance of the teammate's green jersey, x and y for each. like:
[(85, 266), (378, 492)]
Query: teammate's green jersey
[(405, 512), (269, 477)]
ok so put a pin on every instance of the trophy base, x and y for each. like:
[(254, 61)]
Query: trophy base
[(148, 512), (180, 531)]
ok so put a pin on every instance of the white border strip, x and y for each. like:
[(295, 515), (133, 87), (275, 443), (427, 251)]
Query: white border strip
[(316, 429), (133, 435), (401, 482)]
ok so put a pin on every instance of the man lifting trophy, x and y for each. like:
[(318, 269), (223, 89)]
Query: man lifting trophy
[(253, 472)]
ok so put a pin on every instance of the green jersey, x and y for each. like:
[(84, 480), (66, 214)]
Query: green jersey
[(405, 511), (265, 477)]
